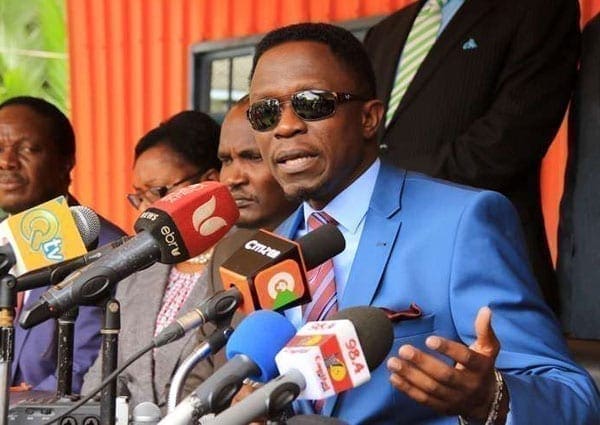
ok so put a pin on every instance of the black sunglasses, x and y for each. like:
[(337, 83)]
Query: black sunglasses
[(157, 192), (310, 105)]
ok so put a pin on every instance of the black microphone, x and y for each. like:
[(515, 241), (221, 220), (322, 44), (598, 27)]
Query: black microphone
[(56, 273), (181, 225)]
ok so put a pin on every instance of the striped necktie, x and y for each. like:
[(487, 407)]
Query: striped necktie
[(418, 43), (321, 281)]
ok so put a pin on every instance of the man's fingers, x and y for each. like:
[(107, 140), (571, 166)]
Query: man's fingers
[(486, 342), (464, 356), (420, 396)]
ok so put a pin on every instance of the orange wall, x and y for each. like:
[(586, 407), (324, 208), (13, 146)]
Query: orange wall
[(129, 64)]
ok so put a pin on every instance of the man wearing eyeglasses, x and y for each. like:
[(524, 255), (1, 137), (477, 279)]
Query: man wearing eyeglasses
[(456, 252), (37, 153)]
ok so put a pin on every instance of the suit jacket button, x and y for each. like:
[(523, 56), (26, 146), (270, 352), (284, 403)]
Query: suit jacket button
[(383, 148)]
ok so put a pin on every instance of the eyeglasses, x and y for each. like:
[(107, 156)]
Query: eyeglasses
[(310, 105), (156, 192)]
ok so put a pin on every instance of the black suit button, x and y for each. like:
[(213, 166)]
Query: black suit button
[(383, 148)]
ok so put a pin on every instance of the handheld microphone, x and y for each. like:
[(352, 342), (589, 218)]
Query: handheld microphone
[(181, 225), (270, 271), (256, 286), (45, 234), (323, 359), (251, 351)]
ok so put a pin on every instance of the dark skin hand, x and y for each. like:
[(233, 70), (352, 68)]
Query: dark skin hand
[(465, 389)]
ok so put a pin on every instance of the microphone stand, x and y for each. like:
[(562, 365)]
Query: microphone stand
[(213, 343), (8, 302), (64, 357), (110, 347)]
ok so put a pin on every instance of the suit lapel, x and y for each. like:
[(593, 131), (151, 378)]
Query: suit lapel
[(466, 17), (379, 235)]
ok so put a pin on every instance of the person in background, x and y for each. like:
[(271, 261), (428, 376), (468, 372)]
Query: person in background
[(37, 154), (258, 196), (179, 152), (449, 255), (474, 92)]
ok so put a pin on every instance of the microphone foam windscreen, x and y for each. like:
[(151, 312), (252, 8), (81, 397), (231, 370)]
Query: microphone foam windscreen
[(374, 329), (260, 336), (321, 244), (87, 223)]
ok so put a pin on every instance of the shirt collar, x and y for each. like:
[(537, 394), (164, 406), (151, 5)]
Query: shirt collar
[(348, 208)]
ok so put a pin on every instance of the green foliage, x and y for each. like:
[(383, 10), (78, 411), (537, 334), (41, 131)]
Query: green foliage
[(33, 50)]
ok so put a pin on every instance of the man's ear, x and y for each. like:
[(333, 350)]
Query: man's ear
[(372, 116), (210, 174)]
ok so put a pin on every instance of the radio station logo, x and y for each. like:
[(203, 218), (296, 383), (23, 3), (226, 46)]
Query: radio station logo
[(39, 228), (204, 222), (279, 286), (337, 369)]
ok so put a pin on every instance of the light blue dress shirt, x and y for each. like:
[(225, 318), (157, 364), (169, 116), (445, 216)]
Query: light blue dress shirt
[(351, 223)]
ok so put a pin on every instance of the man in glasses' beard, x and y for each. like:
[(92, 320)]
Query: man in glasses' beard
[(454, 251)]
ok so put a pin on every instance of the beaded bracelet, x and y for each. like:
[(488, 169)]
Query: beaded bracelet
[(494, 408)]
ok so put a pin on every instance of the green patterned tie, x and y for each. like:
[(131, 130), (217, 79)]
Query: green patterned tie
[(420, 39)]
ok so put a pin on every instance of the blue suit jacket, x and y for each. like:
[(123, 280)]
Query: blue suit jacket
[(451, 250), (35, 348)]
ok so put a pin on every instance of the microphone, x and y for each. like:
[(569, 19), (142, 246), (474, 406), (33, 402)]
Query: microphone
[(251, 351), (323, 359), (46, 234), (145, 413), (56, 273), (255, 285), (181, 225), (270, 271)]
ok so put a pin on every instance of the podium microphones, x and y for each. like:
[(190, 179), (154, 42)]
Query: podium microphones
[(181, 225), (251, 352), (323, 359)]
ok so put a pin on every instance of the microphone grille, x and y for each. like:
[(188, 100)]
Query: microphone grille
[(87, 223), (374, 329)]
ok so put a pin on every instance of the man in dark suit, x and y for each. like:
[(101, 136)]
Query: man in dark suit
[(579, 232), (485, 102), (37, 153)]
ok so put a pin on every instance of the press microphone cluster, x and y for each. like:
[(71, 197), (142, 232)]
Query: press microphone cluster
[(177, 227), (323, 359), (251, 352), (272, 278)]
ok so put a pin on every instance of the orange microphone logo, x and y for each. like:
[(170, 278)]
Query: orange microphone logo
[(279, 285)]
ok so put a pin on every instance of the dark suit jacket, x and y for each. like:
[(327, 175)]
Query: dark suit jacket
[(35, 348), (483, 113), (579, 230)]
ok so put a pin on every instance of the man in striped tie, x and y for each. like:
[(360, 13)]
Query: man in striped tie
[(455, 252), (475, 91)]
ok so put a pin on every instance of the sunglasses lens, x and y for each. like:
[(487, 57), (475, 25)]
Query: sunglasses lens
[(314, 105), (264, 114)]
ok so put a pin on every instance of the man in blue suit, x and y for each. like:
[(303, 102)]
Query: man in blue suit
[(37, 153), (448, 254)]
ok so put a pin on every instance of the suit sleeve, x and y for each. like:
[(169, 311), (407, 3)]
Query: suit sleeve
[(533, 359), (533, 89)]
